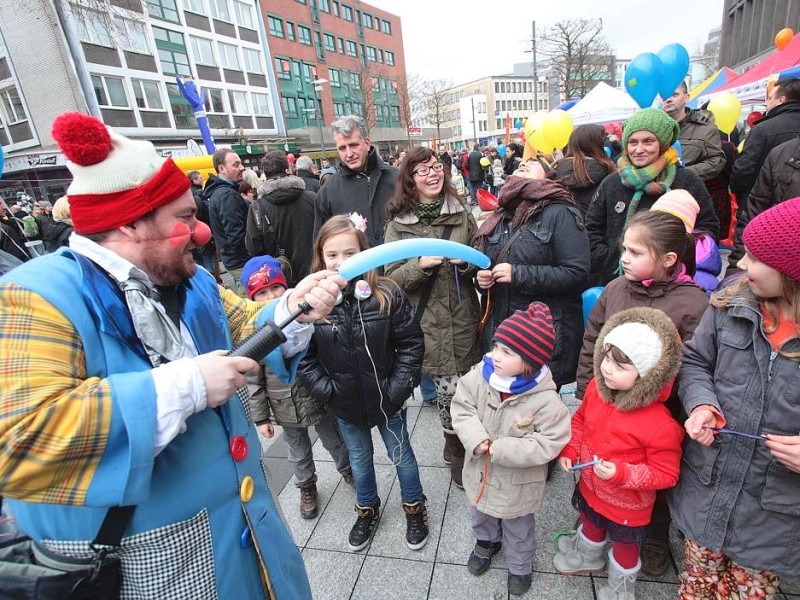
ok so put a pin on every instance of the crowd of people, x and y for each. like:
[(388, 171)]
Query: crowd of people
[(114, 391)]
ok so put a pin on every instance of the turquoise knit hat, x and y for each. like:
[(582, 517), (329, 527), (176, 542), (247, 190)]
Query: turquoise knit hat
[(654, 120)]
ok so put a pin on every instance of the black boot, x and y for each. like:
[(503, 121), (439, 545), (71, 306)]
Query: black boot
[(456, 451)]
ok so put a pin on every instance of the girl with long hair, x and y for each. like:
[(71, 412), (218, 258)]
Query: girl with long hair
[(585, 164)]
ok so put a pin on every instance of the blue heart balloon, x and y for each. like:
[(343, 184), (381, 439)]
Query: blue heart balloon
[(674, 67), (642, 78), (2, 162)]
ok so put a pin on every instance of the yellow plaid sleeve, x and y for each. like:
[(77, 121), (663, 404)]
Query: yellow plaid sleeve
[(54, 422), (241, 314)]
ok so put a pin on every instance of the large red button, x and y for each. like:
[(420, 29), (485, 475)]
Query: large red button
[(238, 448)]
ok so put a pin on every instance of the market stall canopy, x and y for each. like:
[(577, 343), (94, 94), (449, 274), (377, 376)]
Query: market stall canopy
[(604, 104), (717, 80)]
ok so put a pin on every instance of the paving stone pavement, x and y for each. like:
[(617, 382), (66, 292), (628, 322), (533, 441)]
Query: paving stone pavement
[(388, 570)]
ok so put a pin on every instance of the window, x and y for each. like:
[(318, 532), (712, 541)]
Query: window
[(496, 105), (318, 43), (195, 6), (252, 60), (219, 8), (355, 81), (370, 54), (91, 29), (261, 104), (229, 57), (389, 57), (12, 106), (290, 31), (275, 26), (244, 15), (347, 13), (297, 71), (340, 44), (394, 113), (289, 106), (335, 8), (109, 91), (214, 102), (147, 94), (304, 35), (238, 101), (366, 20), (351, 48), (166, 10), (387, 27), (309, 72), (325, 5), (282, 68), (171, 52), (132, 35), (330, 42), (380, 55), (336, 77), (339, 109), (203, 51)]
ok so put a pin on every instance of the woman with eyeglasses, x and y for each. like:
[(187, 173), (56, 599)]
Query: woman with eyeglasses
[(540, 253), (426, 205)]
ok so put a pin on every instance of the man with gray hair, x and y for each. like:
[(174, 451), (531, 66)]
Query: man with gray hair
[(307, 171), (363, 184)]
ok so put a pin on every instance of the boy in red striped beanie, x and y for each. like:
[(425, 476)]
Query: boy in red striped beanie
[(512, 422)]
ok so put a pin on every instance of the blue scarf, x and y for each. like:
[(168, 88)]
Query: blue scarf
[(510, 385)]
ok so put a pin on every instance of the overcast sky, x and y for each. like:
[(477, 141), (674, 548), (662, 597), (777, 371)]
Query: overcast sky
[(469, 39)]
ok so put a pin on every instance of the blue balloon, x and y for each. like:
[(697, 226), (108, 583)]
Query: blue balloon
[(518, 123), (501, 150), (402, 249), (642, 78), (674, 67), (2, 162)]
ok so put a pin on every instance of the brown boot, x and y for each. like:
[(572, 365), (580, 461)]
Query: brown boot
[(308, 501), (446, 458), (456, 451)]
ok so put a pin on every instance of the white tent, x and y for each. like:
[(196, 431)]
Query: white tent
[(604, 104)]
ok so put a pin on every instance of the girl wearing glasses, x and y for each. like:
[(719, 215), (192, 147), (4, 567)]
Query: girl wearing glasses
[(442, 291)]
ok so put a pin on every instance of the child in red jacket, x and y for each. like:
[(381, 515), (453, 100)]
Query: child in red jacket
[(631, 442)]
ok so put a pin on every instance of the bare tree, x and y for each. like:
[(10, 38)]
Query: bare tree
[(369, 75), (577, 51), (435, 92), (409, 90), (706, 58)]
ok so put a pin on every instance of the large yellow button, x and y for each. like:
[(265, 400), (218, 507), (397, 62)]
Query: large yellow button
[(246, 489)]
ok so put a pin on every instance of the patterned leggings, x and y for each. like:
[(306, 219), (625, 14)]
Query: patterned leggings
[(710, 575), (445, 390)]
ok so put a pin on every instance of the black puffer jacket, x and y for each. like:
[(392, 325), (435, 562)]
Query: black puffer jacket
[(228, 216), (282, 220), (565, 173), (338, 369), (550, 264), (363, 192), (56, 235)]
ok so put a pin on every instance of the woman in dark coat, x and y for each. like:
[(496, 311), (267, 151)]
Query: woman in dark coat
[(540, 252), (60, 228), (584, 165)]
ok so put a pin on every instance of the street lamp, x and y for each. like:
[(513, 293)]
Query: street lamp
[(318, 99), (535, 73)]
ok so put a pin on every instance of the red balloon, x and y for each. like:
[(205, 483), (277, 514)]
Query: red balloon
[(290, 157)]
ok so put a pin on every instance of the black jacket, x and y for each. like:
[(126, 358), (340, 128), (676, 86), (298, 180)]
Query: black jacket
[(475, 167), (56, 235), (12, 240), (338, 370), (366, 193), (605, 219), (780, 125), (550, 264), (227, 212), (583, 193), (778, 180), (311, 180), (511, 164), (281, 221)]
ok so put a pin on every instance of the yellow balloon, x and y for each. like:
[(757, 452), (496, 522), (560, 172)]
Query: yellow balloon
[(726, 109), (558, 127), (485, 162), (535, 135)]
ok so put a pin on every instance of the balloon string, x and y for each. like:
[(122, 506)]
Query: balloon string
[(484, 477), (485, 317), (458, 283)]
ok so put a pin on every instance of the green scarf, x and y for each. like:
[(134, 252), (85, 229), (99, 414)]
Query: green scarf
[(654, 180), (427, 213)]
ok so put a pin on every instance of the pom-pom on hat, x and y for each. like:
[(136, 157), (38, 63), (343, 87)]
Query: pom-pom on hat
[(639, 342), (116, 180), (260, 272), (654, 120), (681, 204), (529, 333), (773, 237)]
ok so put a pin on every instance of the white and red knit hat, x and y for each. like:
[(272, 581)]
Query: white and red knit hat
[(116, 180)]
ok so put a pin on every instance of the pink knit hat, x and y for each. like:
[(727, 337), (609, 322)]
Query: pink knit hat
[(773, 237), (681, 204)]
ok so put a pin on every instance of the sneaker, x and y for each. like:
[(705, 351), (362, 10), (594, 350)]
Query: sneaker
[(518, 584), (308, 501), (655, 557), (481, 557), (416, 524), (363, 528), (348, 479)]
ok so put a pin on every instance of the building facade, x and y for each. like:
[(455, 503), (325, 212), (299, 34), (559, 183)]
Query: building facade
[(749, 28), (119, 61), (353, 51)]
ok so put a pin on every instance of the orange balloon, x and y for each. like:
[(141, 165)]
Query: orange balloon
[(783, 37)]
